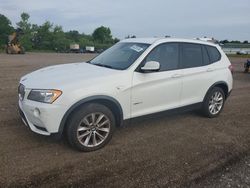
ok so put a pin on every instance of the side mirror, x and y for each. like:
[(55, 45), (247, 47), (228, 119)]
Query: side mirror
[(151, 66)]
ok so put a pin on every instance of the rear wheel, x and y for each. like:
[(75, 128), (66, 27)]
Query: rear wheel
[(90, 127), (214, 102)]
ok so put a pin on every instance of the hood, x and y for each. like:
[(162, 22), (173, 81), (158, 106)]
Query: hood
[(54, 77)]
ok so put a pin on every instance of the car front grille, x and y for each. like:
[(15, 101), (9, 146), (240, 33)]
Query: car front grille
[(21, 91)]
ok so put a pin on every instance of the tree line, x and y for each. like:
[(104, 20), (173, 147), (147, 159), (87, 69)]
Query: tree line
[(52, 37), (234, 42)]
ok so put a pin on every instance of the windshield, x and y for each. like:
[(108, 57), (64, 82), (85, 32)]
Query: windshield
[(120, 56)]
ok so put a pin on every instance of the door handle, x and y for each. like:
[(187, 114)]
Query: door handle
[(176, 76), (210, 69)]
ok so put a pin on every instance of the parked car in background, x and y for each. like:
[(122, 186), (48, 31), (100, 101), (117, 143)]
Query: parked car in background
[(100, 51), (74, 48), (133, 78), (90, 49), (242, 52)]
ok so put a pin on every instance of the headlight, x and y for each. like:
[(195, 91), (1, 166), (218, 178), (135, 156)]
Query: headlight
[(45, 96), (21, 91)]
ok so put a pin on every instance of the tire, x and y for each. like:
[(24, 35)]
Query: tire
[(211, 106), (83, 134)]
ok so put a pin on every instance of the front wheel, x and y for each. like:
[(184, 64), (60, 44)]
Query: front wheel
[(214, 102), (90, 127)]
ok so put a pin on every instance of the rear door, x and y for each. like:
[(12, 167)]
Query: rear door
[(197, 72)]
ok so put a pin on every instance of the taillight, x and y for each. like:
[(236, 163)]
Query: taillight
[(231, 68)]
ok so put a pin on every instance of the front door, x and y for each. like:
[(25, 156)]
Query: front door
[(158, 91)]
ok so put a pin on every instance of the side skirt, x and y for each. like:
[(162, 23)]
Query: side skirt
[(175, 111)]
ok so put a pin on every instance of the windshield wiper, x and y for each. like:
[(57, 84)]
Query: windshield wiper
[(102, 65)]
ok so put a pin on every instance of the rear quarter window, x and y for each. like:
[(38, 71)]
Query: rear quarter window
[(213, 53)]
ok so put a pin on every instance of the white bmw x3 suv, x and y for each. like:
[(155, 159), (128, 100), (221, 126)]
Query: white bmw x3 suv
[(135, 77)]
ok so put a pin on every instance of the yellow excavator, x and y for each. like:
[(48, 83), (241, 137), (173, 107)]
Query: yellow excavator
[(13, 46)]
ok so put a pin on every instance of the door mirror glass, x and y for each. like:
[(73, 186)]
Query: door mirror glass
[(151, 66)]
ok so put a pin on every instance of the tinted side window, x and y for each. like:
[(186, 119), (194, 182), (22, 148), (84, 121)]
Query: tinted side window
[(206, 60), (191, 55), (214, 54), (167, 55)]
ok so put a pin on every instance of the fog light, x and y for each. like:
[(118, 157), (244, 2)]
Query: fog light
[(36, 112)]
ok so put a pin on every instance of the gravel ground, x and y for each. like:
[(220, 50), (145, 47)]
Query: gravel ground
[(178, 150), (235, 174)]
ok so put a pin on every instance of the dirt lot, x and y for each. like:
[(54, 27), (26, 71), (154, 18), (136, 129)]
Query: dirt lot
[(168, 151)]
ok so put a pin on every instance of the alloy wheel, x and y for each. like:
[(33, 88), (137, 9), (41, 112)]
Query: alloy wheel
[(215, 103), (93, 129)]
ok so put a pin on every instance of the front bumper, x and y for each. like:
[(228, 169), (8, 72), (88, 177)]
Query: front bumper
[(41, 118), (34, 128)]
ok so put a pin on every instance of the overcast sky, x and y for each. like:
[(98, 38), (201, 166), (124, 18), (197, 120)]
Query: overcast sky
[(222, 19)]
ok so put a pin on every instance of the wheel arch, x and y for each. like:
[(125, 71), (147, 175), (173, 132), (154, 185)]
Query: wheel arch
[(109, 102), (221, 84)]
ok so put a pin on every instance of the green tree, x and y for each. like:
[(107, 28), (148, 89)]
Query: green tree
[(43, 37), (59, 40), (5, 29), (103, 35), (73, 35), (26, 37), (224, 41), (235, 41), (49, 37), (85, 42), (24, 23)]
